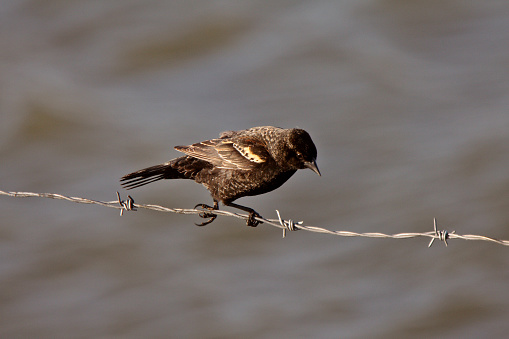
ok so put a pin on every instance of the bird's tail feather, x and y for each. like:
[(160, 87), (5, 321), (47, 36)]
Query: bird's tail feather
[(150, 174)]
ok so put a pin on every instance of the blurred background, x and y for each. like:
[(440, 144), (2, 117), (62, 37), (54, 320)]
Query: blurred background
[(407, 102)]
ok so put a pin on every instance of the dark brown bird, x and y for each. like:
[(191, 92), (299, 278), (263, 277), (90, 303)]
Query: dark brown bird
[(240, 163)]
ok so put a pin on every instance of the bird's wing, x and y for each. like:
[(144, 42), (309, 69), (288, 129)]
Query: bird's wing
[(242, 153)]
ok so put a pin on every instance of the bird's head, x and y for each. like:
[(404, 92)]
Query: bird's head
[(302, 150)]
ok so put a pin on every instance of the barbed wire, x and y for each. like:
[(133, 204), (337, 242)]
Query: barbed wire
[(285, 225)]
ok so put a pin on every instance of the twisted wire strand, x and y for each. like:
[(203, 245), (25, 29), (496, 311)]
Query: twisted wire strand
[(285, 225)]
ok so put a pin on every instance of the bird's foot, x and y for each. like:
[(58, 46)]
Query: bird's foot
[(251, 221), (206, 215)]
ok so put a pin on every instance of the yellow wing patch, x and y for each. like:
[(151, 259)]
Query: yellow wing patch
[(248, 153)]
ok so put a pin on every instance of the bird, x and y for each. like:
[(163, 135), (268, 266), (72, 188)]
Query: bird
[(239, 163)]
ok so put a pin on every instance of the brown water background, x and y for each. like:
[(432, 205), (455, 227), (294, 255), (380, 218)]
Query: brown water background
[(407, 102)]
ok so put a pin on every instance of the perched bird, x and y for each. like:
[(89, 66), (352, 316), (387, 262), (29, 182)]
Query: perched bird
[(237, 164)]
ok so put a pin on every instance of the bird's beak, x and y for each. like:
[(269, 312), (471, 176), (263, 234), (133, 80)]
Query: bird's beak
[(312, 166)]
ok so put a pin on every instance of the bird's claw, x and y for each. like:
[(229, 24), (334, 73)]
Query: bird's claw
[(251, 221), (206, 215)]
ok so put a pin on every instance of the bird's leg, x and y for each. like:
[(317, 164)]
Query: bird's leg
[(251, 221), (205, 215)]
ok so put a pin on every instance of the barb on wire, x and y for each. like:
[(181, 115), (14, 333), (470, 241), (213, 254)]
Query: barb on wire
[(285, 225), (288, 224), (127, 205), (440, 235)]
